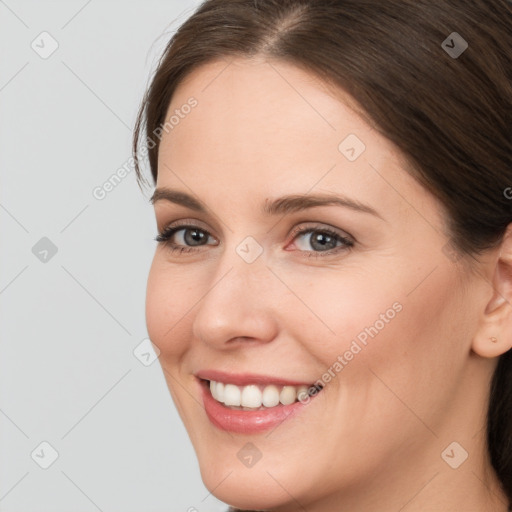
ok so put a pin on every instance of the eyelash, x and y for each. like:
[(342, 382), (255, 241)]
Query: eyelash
[(165, 236)]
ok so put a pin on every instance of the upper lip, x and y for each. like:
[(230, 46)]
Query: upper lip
[(244, 379)]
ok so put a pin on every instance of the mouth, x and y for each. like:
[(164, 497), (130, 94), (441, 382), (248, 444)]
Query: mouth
[(253, 407), (259, 397)]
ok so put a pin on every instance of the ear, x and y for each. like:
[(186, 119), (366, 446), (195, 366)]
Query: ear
[(494, 334)]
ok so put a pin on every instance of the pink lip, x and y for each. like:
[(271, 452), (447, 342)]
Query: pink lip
[(246, 422), (244, 379)]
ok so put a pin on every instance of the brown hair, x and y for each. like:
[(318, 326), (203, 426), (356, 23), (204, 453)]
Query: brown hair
[(449, 114)]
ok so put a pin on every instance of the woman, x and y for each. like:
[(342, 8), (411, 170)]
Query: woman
[(331, 292)]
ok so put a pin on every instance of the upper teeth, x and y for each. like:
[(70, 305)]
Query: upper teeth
[(255, 396)]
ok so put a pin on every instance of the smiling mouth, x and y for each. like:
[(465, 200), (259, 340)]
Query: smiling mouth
[(258, 397)]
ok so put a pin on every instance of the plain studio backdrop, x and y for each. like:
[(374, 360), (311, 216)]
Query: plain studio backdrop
[(86, 421)]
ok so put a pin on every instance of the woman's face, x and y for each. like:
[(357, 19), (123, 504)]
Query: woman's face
[(250, 296)]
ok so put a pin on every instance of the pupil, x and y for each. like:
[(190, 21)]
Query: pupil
[(197, 236), (322, 239)]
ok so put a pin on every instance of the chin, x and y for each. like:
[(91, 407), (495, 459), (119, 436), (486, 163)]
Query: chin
[(243, 488)]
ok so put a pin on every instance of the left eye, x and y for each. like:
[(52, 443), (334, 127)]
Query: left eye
[(323, 240)]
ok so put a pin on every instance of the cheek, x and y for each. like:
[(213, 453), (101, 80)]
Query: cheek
[(354, 321), (167, 305), (341, 311)]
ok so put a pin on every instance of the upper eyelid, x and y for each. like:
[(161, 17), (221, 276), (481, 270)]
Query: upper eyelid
[(297, 230), (195, 222), (312, 226), (183, 224)]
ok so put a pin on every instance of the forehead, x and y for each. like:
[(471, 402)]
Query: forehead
[(262, 104), (267, 125)]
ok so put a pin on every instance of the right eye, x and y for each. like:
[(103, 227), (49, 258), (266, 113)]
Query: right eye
[(183, 238)]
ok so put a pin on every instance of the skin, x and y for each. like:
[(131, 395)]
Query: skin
[(372, 439)]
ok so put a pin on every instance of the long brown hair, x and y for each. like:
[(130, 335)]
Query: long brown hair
[(448, 107)]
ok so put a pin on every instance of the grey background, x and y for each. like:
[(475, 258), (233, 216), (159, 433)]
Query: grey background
[(70, 321)]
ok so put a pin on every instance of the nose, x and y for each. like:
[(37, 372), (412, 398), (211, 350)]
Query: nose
[(240, 305)]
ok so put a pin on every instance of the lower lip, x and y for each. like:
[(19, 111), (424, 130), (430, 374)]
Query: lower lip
[(246, 422)]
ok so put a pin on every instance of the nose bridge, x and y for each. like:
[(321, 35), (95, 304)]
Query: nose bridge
[(239, 301), (243, 264)]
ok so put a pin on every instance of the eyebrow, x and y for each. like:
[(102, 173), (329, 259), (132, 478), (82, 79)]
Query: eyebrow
[(279, 206)]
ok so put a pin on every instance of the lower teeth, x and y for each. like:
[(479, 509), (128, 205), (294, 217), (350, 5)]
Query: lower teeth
[(241, 408)]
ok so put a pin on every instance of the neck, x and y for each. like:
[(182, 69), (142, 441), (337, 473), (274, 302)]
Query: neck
[(427, 484)]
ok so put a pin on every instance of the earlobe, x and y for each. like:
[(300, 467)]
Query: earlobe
[(494, 334), (491, 347)]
